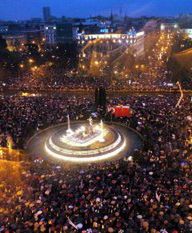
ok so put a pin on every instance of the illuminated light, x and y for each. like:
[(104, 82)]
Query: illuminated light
[(83, 153), (190, 140), (84, 136), (130, 158), (162, 27), (140, 34), (73, 146), (31, 60), (34, 68), (87, 159), (21, 66), (96, 63), (9, 142), (75, 142)]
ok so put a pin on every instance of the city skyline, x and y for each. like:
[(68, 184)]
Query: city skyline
[(20, 10)]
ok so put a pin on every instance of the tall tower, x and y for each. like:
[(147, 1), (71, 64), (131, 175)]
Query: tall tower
[(111, 18), (46, 14)]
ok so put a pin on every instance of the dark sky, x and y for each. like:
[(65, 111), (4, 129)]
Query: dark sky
[(25, 9)]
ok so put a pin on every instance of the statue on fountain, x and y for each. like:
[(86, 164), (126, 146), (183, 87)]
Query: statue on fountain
[(84, 135)]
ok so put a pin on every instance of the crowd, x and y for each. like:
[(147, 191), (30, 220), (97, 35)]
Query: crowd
[(61, 82), (152, 193), (20, 116)]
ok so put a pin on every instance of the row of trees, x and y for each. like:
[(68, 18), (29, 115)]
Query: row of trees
[(13, 62), (9, 61)]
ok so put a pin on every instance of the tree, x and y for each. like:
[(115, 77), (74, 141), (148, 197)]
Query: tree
[(3, 44)]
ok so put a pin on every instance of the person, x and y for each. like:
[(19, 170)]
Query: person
[(152, 193)]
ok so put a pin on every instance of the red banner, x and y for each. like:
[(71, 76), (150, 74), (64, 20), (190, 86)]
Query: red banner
[(122, 111)]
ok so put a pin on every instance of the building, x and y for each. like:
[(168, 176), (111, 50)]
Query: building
[(129, 38), (65, 33), (17, 34), (15, 41), (59, 33), (4, 29), (46, 14), (169, 27), (188, 31), (98, 50), (50, 34)]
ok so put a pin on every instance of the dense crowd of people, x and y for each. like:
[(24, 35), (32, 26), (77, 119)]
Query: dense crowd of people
[(152, 74), (59, 81), (152, 193)]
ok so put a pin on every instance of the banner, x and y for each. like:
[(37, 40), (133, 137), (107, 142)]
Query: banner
[(122, 111)]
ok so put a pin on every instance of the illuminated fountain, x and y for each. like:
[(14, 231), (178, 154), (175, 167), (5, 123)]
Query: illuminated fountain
[(86, 142), (84, 135), (82, 141)]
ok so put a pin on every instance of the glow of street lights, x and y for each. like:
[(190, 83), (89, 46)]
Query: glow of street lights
[(31, 61)]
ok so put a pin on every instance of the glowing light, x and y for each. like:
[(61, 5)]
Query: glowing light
[(31, 60), (83, 153), (130, 158), (181, 96), (84, 136), (87, 159), (86, 143)]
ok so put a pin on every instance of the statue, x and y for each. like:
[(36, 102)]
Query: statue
[(102, 132), (69, 131)]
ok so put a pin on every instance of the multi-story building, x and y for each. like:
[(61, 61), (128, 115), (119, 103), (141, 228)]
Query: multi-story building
[(128, 38), (169, 26), (99, 51), (188, 31), (50, 34), (4, 29), (59, 33), (65, 33), (46, 14), (15, 41)]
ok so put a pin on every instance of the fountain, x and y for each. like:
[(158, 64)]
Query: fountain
[(84, 135), (84, 141)]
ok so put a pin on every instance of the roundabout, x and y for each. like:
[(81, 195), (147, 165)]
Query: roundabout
[(85, 142)]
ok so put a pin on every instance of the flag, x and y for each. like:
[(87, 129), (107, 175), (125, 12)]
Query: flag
[(72, 224), (122, 111), (158, 197)]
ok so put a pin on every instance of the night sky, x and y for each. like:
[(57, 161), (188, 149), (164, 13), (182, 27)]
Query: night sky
[(25, 9)]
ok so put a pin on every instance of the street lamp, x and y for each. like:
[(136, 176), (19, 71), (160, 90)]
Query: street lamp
[(31, 61)]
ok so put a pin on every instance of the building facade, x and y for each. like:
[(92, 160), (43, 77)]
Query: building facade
[(46, 14), (50, 34)]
